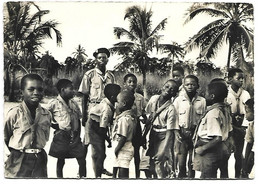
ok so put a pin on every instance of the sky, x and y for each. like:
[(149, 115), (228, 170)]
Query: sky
[(91, 24)]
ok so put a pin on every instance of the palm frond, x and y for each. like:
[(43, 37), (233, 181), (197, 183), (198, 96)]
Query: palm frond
[(119, 31), (210, 11), (206, 32), (215, 44), (160, 26)]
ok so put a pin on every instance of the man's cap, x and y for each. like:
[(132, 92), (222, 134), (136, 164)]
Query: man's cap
[(101, 50)]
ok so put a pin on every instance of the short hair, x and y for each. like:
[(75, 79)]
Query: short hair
[(111, 90), (178, 68), (218, 80), (192, 77), (250, 104), (63, 83), (129, 75), (232, 72), (128, 97), (30, 76), (220, 91)]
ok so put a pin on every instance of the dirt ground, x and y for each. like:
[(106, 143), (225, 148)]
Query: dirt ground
[(71, 166)]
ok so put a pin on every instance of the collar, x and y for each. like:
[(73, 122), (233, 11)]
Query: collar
[(238, 94), (61, 100), (186, 97), (216, 105), (125, 113)]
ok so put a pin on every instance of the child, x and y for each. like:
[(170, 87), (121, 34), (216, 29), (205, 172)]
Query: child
[(26, 131), (163, 122), (237, 97), (123, 133), (190, 107), (178, 74), (66, 141), (212, 132), (249, 154), (130, 83), (99, 121)]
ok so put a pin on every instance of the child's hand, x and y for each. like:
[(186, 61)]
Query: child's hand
[(109, 144), (159, 157), (178, 136)]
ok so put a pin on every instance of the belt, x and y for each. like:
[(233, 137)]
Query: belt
[(159, 129), (94, 102), (34, 151)]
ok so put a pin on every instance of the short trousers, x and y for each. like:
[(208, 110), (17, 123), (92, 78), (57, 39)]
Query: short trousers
[(124, 156)]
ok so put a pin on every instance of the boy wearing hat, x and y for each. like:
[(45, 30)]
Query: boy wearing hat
[(93, 84)]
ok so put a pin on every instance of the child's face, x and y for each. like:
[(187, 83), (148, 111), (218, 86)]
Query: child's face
[(169, 89), (177, 77), (33, 92), (102, 59), (131, 83), (68, 92), (209, 97), (237, 80), (249, 113), (121, 104), (190, 85)]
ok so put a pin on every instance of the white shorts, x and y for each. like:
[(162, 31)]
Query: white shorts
[(124, 156)]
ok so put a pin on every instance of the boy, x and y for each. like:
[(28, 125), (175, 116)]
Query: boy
[(237, 97), (99, 121), (66, 117), (162, 121), (130, 83), (123, 133), (212, 132), (93, 84), (26, 131), (190, 107), (178, 74), (249, 154)]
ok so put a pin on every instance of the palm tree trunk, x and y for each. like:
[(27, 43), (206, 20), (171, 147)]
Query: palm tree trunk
[(172, 66), (229, 56), (144, 85), (11, 91)]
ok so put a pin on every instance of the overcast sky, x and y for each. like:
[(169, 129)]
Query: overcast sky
[(91, 25)]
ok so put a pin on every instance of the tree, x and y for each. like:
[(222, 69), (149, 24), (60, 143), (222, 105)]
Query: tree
[(173, 50), (230, 26), (80, 55), (142, 39), (24, 34)]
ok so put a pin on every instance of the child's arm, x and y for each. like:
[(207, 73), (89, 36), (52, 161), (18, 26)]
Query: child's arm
[(84, 109), (201, 149), (120, 144), (161, 154)]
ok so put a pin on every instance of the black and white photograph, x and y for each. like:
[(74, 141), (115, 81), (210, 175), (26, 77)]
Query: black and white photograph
[(133, 90)]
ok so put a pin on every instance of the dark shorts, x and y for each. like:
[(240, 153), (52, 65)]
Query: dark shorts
[(63, 147), (26, 165)]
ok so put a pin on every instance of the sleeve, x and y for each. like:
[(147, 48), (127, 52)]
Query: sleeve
[(249, 135), (106, 118), (85, 85), (148, 108), (8, 126), (172, 120), (122, 127), (213, 125), (50, 107), (77, 109)]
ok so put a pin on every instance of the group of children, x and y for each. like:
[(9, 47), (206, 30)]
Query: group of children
[(173, 126)]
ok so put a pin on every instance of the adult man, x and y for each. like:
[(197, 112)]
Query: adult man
[(92, 86)]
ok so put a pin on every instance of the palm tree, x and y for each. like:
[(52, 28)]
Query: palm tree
[(173, 50), (230, 26), (80, 55), (142, 39), (24, 34)]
